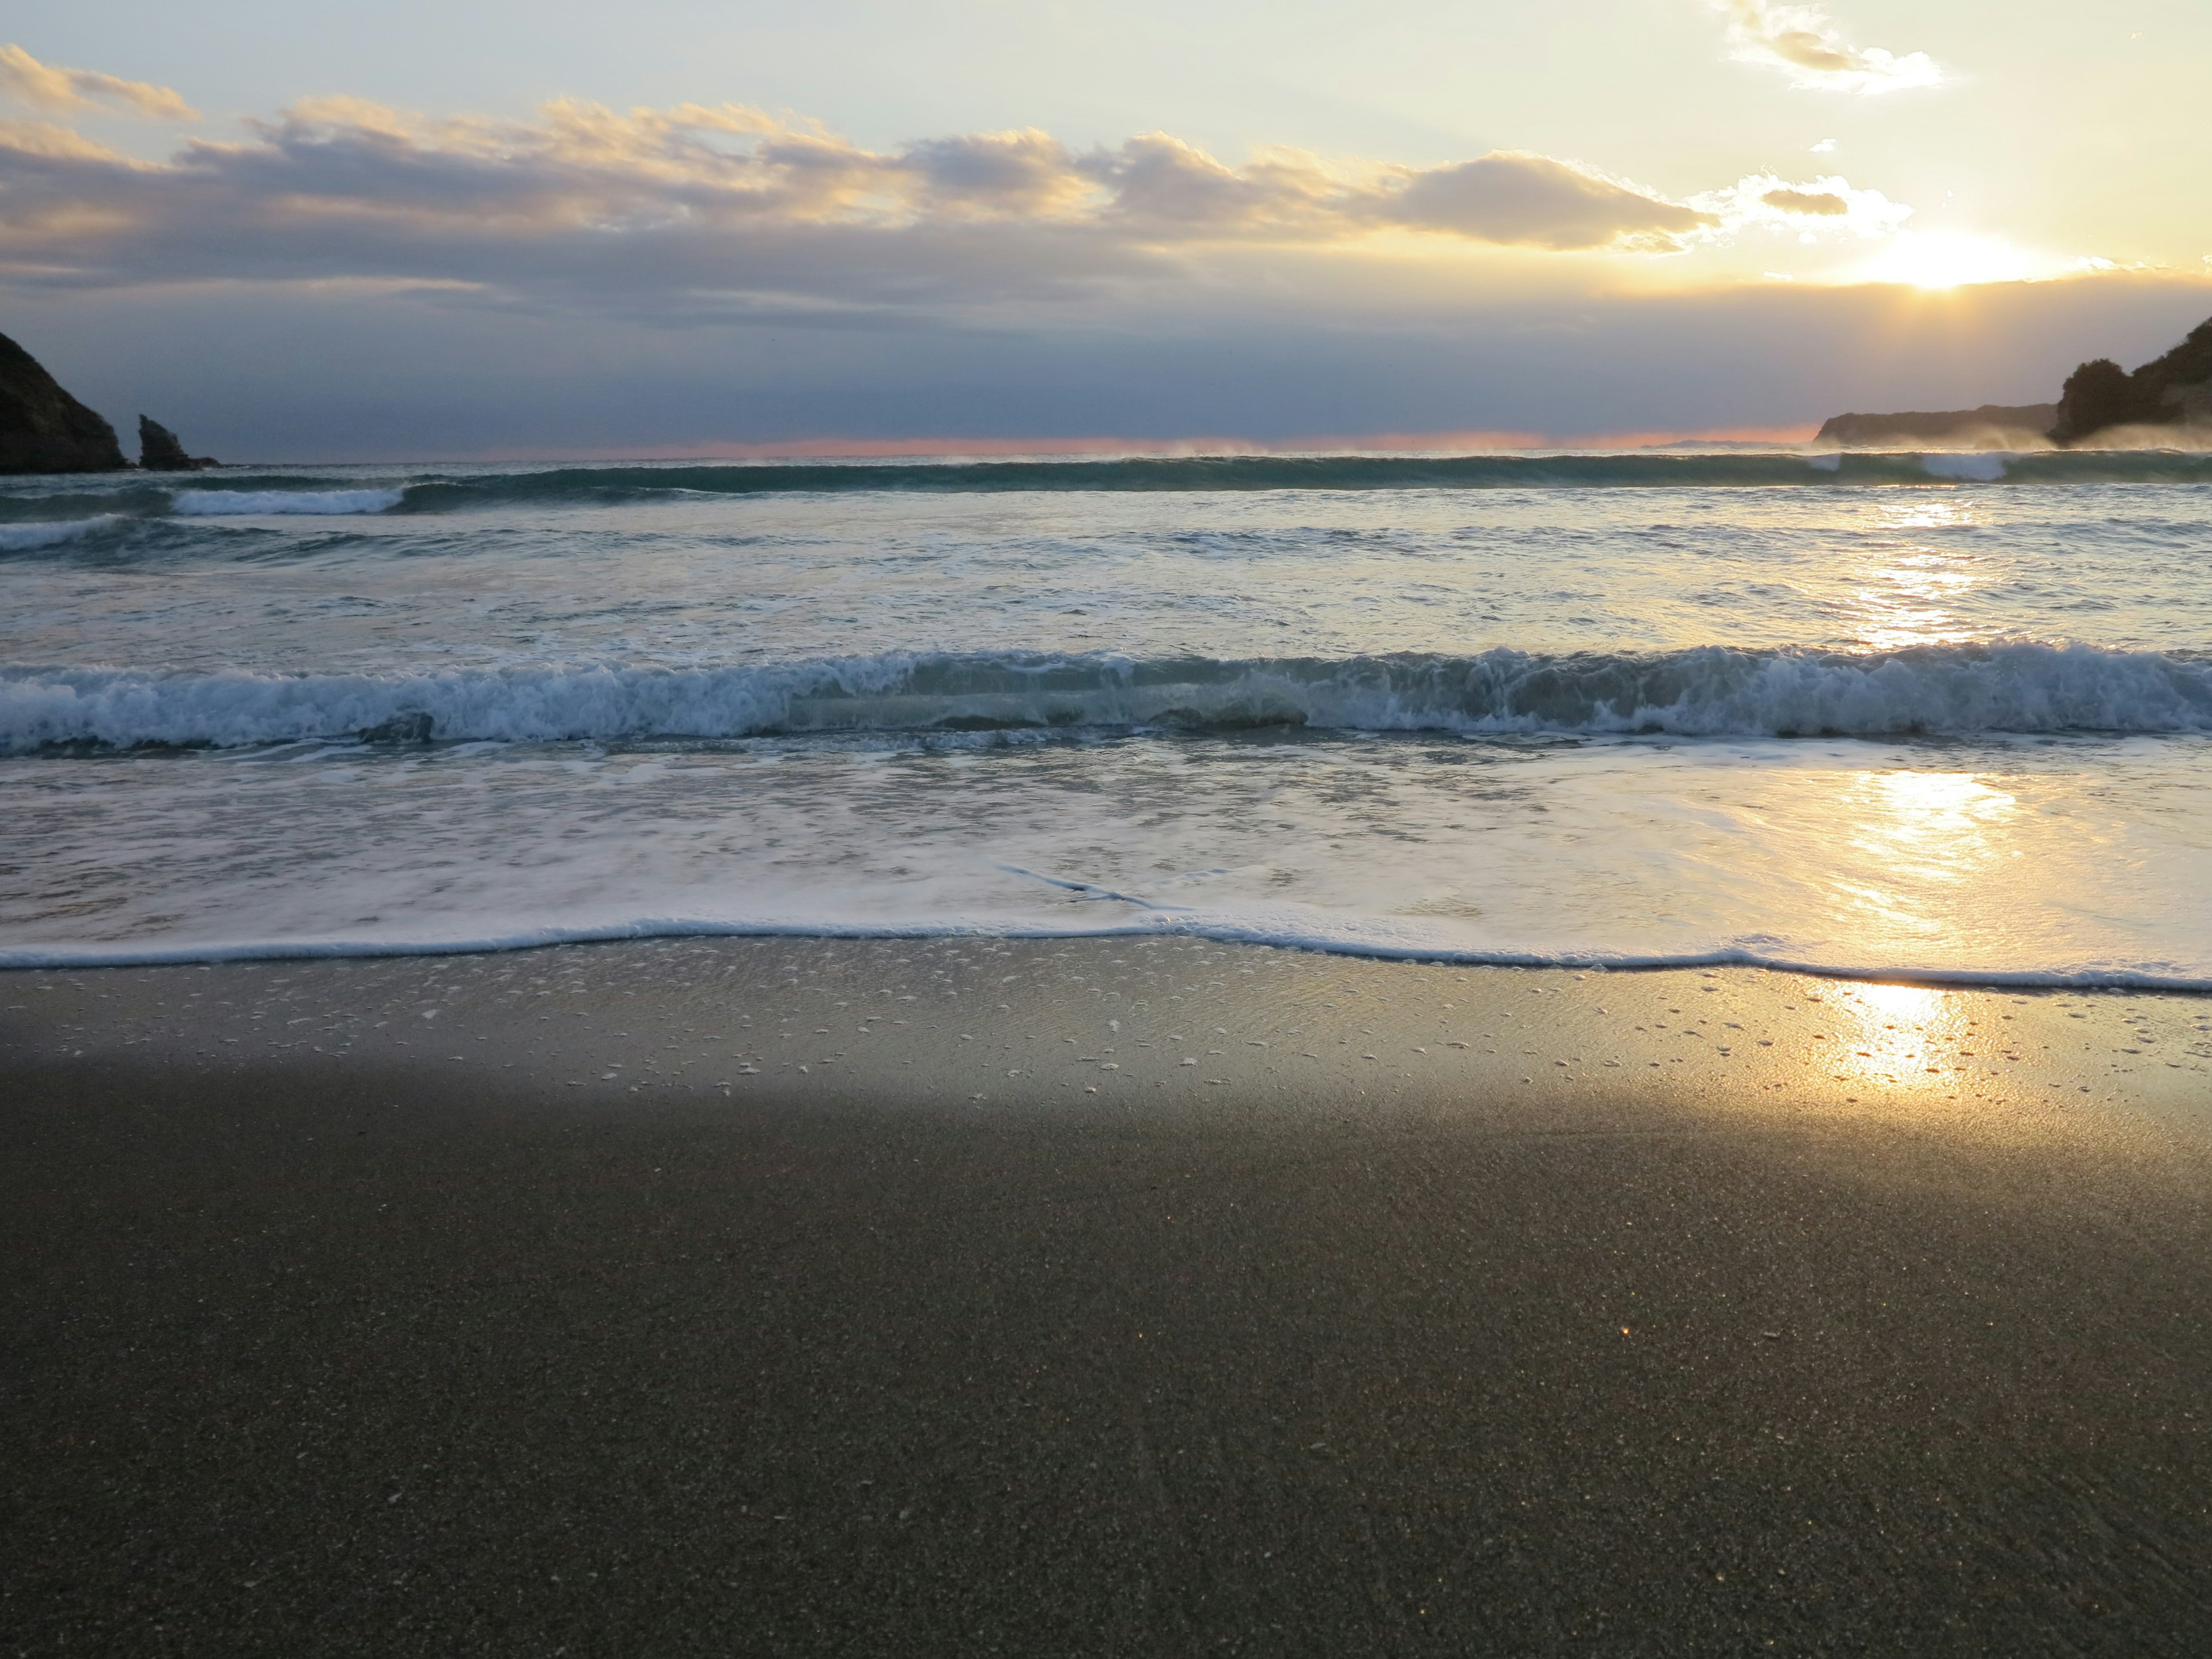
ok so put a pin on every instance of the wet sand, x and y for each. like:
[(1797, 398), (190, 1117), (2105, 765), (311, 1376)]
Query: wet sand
[(800, 1297)]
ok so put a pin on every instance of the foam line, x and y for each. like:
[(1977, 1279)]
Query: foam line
[(2154, 977)]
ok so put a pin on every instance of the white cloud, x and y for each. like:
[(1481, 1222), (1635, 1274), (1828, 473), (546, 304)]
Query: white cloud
[(1804, 43), (1828, 207), (727, 207), (26, 80)]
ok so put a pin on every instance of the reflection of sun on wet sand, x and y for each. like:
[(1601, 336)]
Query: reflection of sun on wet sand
[(1136, 1295)]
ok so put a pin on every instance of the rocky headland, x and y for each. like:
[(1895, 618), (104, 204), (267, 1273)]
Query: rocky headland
[(1994, 425), (2172, 390), (2168, 398), (43, 429)]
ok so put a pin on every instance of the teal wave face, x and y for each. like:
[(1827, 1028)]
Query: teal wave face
[(613, 485), (245, 495)]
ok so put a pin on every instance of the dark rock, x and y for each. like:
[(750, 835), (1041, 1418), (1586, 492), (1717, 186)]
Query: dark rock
[(1993, 424), (42, 427), (2174, 390), (159, 450)]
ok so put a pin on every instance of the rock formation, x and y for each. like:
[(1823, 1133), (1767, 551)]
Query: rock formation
[(1993, 426), (42, 427), (159, 450), (2174, 390)]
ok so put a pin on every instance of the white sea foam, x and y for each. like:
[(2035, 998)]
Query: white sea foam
[(899, 790), (243, 503), (1830, 463), (23, 537), (1379, 939), (1707, 692)]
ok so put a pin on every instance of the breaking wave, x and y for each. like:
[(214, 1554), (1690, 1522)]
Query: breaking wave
[(27, 537), (1709, 691)]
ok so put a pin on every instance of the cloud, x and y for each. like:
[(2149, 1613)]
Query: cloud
[(1804, 43), (1511, 197), (725, 209), (1808, 210), (1819, 203), (26, 80)]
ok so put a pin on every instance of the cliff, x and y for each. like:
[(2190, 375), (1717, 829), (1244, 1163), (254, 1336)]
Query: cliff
[(42, 427), (2173, 390), (1992, 424)]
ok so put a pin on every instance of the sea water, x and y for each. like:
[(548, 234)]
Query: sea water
[(1936, 715)]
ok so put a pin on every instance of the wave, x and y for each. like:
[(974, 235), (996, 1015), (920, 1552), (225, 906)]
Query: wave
[(431, 492), (612, 484), (211, 503), (1351, 936), (27, 537), (1707, 691)]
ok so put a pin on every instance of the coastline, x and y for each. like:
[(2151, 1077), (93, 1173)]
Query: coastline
[(837, 1295)]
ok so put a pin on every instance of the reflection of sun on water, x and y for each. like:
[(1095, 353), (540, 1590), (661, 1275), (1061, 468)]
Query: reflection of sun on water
[(1897, 1033), (1923, 837), (1936, 826), (1905, 595), (1916, 1003)]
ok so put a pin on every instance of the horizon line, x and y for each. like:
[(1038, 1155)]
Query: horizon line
[(1477, 440)]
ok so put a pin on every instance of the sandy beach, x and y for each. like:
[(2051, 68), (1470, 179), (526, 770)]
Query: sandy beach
[(1112, 1295)]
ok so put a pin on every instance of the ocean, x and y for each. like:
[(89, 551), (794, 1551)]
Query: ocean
[(1945, 717)]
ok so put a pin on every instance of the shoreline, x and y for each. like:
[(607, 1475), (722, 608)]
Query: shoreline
[(842, 1296), (33, 959)]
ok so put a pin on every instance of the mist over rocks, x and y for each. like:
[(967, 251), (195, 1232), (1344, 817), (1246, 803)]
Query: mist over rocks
[(2173, 390), (160, 450), (1993, 426), (43, 428)]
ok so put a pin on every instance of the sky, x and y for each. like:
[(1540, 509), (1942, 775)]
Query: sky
[(411, 232)]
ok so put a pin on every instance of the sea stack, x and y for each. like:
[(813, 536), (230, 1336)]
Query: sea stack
[(158, 450), (42, 427)]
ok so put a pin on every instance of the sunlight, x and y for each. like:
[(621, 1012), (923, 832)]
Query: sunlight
[(1906, 601), (1946, 258), (1897, 1031), (1920, 830), (1936, 821), (1900, 1003)]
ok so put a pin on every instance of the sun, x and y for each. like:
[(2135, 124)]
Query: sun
[(1950, 258)]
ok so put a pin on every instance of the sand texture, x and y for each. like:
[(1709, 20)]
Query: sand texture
[(1145, 1297)]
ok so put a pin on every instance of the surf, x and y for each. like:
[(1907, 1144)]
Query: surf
[(2019, 686)]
